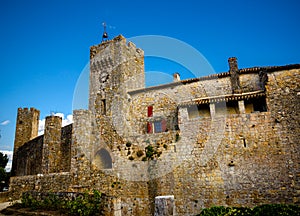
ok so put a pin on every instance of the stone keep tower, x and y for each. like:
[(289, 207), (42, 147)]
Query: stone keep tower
[(114, 68), (26, 128)]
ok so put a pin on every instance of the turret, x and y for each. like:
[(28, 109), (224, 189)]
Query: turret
[(26, 129), (52, 145)]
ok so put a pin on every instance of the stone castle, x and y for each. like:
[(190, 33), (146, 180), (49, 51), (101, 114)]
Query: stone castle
[(230, 138)]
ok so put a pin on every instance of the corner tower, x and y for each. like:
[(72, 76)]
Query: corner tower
[(26, 129), (26, 126)]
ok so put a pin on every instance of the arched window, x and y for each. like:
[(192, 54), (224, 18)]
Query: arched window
[(103, 159)]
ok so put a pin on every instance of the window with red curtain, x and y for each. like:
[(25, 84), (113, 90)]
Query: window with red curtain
[(149, 127), (150, 111)]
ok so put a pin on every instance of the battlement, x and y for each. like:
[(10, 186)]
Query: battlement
[(48, 153), (94, 50), (27, 125)]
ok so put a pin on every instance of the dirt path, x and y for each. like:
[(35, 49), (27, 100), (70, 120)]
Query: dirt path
[(4, 205)]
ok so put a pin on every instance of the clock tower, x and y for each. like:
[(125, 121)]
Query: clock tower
[(116, 67)]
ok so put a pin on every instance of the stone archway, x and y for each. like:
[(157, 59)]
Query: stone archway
[(103, 159)]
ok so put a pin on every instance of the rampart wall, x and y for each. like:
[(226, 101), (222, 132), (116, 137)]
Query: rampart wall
[(30, 158)]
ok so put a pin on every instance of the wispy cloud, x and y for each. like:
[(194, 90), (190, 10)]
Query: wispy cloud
[(6, 122), (65, 121)]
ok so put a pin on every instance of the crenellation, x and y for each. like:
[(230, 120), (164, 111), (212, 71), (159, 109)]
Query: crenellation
[(225, 139)]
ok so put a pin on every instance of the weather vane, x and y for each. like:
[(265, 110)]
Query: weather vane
[(105, 35)]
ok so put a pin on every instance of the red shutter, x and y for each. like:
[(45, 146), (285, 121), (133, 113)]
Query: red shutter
[(150, 111), (163, 125), (149, 127)]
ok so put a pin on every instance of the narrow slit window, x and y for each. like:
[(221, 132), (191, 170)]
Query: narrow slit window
[(103, 107), (244, 141)]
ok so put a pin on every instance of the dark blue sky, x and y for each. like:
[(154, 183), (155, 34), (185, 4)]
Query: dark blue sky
[(45, 44)]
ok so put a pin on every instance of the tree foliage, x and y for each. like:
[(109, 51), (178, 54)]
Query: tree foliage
[(262, 210), (4, 176), (3, 160)]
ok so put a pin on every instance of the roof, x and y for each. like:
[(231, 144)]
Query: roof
[(223, 98), (267, 69)]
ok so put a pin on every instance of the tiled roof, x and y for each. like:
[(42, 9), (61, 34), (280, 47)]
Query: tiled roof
[(268, 69), (243, 71), (222, 98)]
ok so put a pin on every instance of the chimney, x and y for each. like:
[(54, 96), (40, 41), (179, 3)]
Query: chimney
[(234, 75), (176, 77)]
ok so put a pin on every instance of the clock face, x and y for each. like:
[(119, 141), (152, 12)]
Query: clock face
[(103, 77)]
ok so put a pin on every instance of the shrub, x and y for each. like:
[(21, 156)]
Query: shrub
[(214, 211), (128, 144), (276, 209), (85, 204), (149, 151), (262, 210)]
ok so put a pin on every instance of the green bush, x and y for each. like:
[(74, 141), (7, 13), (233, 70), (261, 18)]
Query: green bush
[(149, 152), (83, 205), (215, 210), (128, 144), (276, 209), (262, 210)]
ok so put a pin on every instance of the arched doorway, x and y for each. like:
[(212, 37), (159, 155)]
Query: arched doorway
[(103, 159)]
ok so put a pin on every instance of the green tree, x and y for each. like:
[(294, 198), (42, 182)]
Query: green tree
[(4, 176), (3, 160)]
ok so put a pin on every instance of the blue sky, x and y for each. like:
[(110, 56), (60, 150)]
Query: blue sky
[(45, 44)]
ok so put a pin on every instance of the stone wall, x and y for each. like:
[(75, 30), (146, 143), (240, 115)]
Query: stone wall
[(28, 158), (53, 182), (33, 157), (284, 103), (66, 141)]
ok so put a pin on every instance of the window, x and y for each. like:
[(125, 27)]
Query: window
[(200, 110), (260, 105), (256, 105), (157, 126), (149, 127), (232, 107), (150, 111), (103, 107)]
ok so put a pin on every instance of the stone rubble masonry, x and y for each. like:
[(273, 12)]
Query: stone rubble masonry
[(230, 139), (52, 145), (234, 74)]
